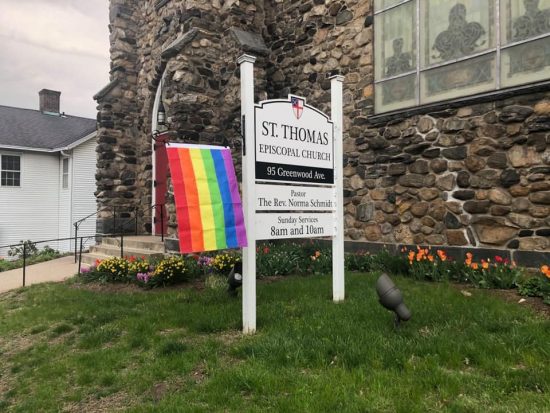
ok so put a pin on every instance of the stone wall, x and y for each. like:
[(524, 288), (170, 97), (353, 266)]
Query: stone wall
[(468, 175), (192, 46), (473, 176), (118, 115), (476, 175)]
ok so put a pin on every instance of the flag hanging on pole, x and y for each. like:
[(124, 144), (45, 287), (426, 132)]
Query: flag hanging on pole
[(208, 205)]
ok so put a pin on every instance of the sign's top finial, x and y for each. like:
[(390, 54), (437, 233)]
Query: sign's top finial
[(339, 78), (246, 58)]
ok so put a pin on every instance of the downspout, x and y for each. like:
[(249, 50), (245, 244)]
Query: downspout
[(154, 128)]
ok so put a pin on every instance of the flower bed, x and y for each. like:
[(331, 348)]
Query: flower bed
[(315, 258)]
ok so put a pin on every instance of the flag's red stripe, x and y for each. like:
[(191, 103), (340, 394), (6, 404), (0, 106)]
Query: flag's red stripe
[(181, 200), (192, 196)]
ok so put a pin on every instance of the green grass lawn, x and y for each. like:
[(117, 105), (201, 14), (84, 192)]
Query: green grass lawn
[(67, 348)]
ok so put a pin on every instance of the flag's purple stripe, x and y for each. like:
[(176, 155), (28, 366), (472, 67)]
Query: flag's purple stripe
[(237, 206), (227, 202)]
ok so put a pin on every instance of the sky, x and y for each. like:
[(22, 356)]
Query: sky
[(61, 45)]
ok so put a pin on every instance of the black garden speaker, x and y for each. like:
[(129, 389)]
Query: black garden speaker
[(235, 278), (391, 298)]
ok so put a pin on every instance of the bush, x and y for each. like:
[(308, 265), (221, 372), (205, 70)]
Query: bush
[(361, 261), (7, 265), (29, 247), (170, 270), (114, 269), (277, 259), (532, 287), (33, 256), (223, 263), (194, 270), (137, 265), (321, 262), (385, 261)]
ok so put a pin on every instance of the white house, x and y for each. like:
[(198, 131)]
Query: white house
[(47, 174)]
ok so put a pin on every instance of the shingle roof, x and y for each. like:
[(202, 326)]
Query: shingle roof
[(32, 129)]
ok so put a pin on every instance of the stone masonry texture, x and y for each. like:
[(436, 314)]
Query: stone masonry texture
[(468, 175)]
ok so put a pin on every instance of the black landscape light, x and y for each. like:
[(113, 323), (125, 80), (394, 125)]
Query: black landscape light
[(235, 278), (391, 298)]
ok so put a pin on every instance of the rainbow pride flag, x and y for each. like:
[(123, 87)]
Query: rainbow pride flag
[(208, 205)]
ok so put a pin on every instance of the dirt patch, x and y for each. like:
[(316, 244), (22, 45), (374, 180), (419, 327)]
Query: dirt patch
[(511, 296), (114, 403), (160, 390), (16, 344), (5, 385), (271, 279), (13, 296), (197, 284), (535, 303), (199, 373), (229, 337), (99, 287)]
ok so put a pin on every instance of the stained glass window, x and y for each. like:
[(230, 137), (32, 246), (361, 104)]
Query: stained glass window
[(395, 56), (434, 50)]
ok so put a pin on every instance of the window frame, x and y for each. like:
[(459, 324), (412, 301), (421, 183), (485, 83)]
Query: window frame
[(65, 175), (2, 169), (419, 69)]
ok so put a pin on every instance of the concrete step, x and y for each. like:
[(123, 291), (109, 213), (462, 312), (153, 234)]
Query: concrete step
[(137, 242), (114, 251), (89, 259)]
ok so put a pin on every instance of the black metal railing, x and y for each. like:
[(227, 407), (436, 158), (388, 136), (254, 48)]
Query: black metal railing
[(120, 225), (25, 253), (80, 241)]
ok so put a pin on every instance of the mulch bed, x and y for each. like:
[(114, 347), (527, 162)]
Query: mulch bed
[(534, 303)]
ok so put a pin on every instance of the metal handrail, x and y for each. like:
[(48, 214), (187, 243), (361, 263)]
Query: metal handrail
[(91, 215), (122, 226), (24, 244), (78, 254), (135, 218), (48, 240)]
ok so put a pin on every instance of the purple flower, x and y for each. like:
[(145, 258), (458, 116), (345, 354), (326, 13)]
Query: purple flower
[(143, 277), (85, 270), (205, 261)]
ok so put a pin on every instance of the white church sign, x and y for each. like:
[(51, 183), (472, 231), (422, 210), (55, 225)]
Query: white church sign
[(292, 178), (294, 142)]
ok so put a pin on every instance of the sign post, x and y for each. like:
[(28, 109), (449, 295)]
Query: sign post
[(246, 63), (292, 178), (338, 285)]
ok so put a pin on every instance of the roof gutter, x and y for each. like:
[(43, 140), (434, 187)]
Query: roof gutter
[(78, 142), (46, 150)]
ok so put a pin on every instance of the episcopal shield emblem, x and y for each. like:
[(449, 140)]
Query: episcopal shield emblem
[(297, 106)]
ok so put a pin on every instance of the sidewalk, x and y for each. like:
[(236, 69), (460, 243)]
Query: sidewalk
[(55, 270)]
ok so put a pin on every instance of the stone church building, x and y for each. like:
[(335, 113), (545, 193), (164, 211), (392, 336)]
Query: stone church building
[(446, 108)]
